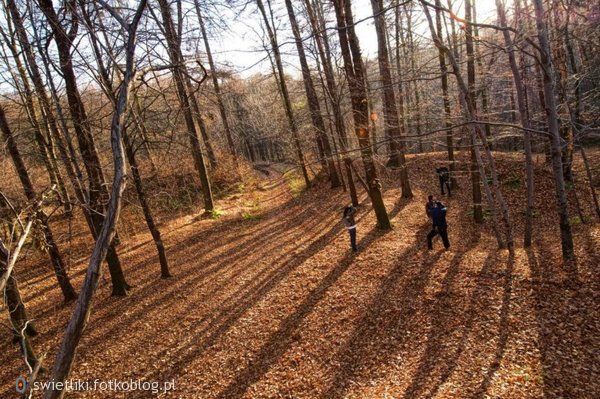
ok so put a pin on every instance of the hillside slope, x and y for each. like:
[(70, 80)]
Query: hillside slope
[(269, 302)]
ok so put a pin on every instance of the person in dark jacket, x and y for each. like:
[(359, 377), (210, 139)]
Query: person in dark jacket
[(438, 217), (444, 176), (350, 224)]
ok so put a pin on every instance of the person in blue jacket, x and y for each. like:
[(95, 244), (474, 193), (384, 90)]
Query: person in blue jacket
[(438, 217)]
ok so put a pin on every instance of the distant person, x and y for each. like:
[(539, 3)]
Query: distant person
[(444, 176), (350, 224), (429, 205), (438, 217)]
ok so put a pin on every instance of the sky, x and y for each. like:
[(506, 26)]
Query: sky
[(241, 47)]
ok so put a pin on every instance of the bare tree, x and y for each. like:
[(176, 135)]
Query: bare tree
[(355, 73), (66, 354), (312, 98), (390, 110)]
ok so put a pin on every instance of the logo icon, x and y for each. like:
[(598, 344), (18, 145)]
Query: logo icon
[(21, 384)]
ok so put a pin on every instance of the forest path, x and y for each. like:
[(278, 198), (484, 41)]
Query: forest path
[(275, 305)]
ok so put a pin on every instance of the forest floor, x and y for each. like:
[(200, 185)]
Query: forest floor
[(267, 301)]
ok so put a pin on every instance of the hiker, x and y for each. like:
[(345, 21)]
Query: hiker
[(429, 205), (444, 176), (438, 217), (350, 224)]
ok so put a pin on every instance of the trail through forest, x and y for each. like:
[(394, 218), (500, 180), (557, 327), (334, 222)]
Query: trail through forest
[(268, 301)]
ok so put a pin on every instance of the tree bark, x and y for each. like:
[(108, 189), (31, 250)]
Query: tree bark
[(521, 103), (446, 99), (215, 80)]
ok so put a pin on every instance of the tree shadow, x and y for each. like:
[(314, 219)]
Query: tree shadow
[(280, 341), (568, 335)]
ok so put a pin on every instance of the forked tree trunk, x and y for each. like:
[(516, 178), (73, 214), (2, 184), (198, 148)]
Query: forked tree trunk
[(64, 360), (97, 192), (186, 104)]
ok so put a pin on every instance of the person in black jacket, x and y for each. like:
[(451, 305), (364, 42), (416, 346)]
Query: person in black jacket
[(444, 176), (350, 224), (438, 217)]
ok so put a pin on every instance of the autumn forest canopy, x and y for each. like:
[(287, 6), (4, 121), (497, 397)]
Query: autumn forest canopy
[(229, 198)]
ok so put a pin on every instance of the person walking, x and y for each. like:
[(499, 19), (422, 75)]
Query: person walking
[(438, 217), (350, 224)]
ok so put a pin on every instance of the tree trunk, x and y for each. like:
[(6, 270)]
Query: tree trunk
[(284, 92), (139, 188), (355, 72), (475, 176), (390, 110), (524, 122), (446, 100), (316, 20), (97, 192), (58, 264), (215, 80), (313, 99), (184, 98), (553, 128), (66, 354)]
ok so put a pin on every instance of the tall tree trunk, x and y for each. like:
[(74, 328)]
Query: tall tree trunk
[(475, 176), (97, 191), (446, 99), (355, 72), (313, 99), (65, 357), (548, 72), (318, 26), (390, 110), (287, 103), (215, 80), (44, 144), (23, 327), (524, 122), (178, 66), (58, 264)]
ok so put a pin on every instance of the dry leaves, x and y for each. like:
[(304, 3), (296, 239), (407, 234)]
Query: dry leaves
[(278, 306)]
